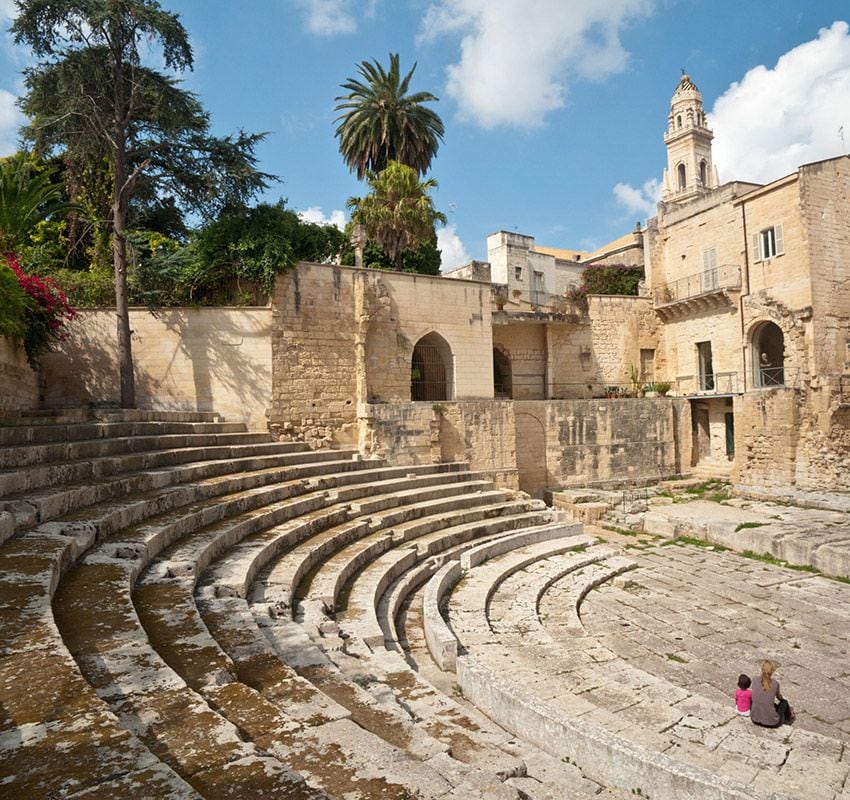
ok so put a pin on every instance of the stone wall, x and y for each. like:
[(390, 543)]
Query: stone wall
[(524, 344), (480, 433), (314, 357), (825, 203), (620, 327), (590, 441), (537, 444), (767, 430), (18, 383), (344, 337), (186, 359)]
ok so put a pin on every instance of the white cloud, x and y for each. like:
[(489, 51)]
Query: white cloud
[(315, 214), (330, 17), (640, 200), (776, 119), (453, 253), (517, 57), (10, 120)]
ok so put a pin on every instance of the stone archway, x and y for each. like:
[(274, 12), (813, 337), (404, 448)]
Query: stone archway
[(432, 369), (768, 355)]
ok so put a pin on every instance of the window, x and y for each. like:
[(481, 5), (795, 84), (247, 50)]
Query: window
[(538, 289), (683, 182), (768, 243), (647, 365), (703, 173), (709, 269), (679, 121), (518, 273), (706, 368)]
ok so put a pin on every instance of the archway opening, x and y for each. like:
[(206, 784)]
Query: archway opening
[(768, 349), (431, 369), (501, 374), (683, 177), (703, 173)]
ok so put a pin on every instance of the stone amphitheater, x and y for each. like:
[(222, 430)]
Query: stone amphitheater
[(190, 609)]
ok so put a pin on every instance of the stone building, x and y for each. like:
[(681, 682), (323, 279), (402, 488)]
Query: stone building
[(745, 312), (751, 287)]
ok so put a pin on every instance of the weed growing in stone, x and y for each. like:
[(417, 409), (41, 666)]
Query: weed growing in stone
[(744, 525), (676, 658), (694, 542), (767, 558)]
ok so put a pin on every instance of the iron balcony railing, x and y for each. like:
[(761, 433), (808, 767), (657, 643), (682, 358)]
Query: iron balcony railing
[(723, 278)]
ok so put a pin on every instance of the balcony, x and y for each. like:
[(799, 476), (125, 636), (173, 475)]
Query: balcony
[(714, 288), (711, 384), (725, 384)]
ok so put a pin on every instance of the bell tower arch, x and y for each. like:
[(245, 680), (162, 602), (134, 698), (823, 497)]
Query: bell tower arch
[(690, 170)]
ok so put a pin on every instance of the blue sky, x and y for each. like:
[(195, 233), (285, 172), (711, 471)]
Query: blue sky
[(554, 109)]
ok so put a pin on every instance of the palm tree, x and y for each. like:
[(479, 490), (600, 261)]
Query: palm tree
[(27, 197), (398, 213), (379, 122)]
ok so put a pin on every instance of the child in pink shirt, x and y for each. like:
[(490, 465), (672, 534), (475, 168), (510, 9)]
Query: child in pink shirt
[(743, 696)]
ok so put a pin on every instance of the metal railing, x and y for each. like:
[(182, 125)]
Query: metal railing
[(844, 389), (724, 277), (709, 383), (771, 376)]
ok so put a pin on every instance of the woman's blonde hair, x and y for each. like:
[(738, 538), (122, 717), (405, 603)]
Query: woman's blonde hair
[(767, 670)]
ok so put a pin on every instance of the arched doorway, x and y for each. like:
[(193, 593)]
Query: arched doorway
[(768, 353), (501, 374), (431, 369)]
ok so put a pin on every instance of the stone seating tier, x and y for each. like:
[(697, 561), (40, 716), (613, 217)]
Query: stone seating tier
[(180, 715), (191, 610), (516, 623)]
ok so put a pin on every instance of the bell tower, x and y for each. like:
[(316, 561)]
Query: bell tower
[(690, 171)]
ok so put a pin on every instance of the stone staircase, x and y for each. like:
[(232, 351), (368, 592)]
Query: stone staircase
[(192, 610)]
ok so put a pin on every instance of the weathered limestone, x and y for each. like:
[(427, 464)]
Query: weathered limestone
[(189, 359), (18, 382)]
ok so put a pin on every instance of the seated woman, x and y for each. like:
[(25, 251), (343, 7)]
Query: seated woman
[(769, 708)]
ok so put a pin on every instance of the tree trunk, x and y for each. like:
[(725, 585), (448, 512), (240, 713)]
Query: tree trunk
[(122, 311), (120, 188)]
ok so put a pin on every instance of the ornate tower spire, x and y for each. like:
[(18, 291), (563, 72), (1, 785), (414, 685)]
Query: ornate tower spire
[(690, 170)]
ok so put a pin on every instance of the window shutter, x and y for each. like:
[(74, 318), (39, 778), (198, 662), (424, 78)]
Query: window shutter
[(712, 257), (706, 260), (756, 247), (779, 238)]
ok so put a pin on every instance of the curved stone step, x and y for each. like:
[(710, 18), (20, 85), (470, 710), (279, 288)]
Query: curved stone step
[(327, 582), (100, 628), (295, 647), (278, 709), (64, 500), (607, 710), (39, 434), (114, 668), (100, 458), (467, 624), (546, 776), (56, 736), (280, 584)]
